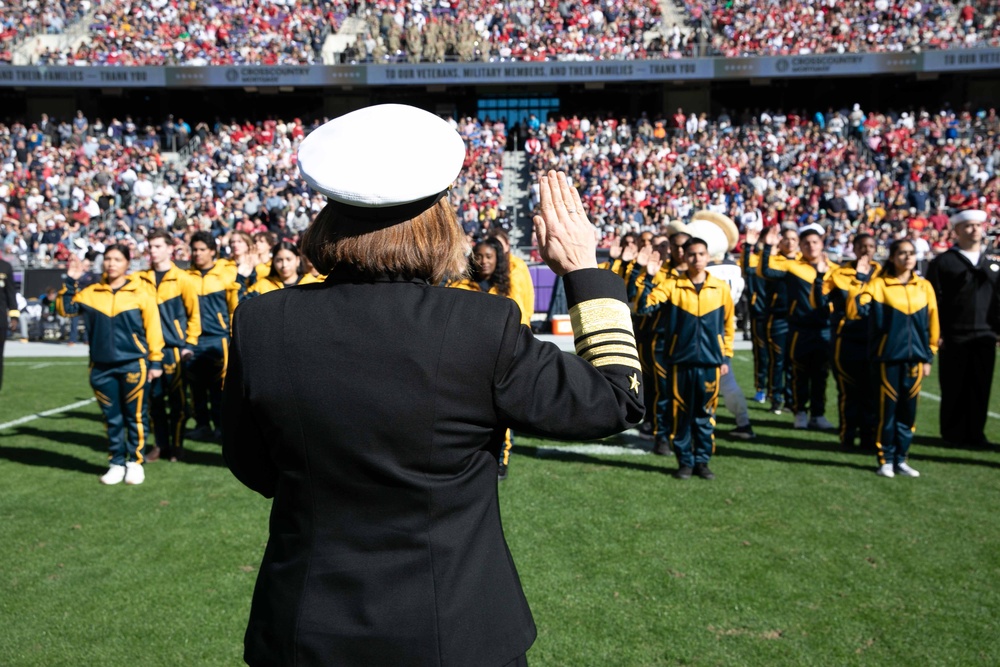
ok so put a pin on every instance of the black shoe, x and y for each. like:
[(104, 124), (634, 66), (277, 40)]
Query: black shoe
[(777, 407), (701, 469), (646, 430), (217, 434), (202, 432), (501, 472), (662, 448), (743, 432), (683, 472)]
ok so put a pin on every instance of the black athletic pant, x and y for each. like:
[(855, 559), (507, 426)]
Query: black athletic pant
[(966, 374)]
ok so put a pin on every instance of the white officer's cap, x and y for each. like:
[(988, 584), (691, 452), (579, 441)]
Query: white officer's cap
[(385, 163), (971, 215), (811, 228)]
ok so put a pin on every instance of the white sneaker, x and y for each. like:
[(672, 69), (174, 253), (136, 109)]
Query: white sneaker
[(134, 474), (801, 420), (114, 475), (905, 470), (886, 470), (820, 423)]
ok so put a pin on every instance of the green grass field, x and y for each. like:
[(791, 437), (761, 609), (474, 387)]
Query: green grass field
[(796, 554)]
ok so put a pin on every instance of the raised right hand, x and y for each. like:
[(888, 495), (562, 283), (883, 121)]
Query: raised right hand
[(654, 264), (863, 265), (752, 236), (74, 267), (642, 258), (566, 238), (773, 236), (630, 251)]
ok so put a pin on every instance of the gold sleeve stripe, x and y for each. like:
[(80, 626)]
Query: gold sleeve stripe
[(599, 315), (627, 350), (598, 339), (617, 361)]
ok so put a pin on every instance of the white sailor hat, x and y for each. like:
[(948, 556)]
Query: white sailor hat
[(970, 215), (811, 228), (383, 164), (723, 222)]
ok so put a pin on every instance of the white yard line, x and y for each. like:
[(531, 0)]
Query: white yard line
[(937, 399), (46, 413), (602, 450), (39, 364)]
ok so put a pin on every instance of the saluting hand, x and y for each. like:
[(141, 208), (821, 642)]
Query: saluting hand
[(643, 256), (654, 263), (74, 268), (615, 249), (566, 239), (773, 236)]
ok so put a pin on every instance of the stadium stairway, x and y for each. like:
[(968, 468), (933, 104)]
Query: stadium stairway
[(670, 14), (517, 200), (336, 43), (75, 34)]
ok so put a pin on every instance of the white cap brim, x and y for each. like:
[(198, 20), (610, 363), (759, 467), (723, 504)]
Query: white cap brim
[(381, 156), (968, 216), (711, 234), (812, 228)]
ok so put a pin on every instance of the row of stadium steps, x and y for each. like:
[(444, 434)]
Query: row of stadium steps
[(74, 35), (336, 43), (517, 199)]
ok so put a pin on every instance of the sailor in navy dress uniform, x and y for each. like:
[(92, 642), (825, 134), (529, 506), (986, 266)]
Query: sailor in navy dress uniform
[(371, 408), (965, 280)]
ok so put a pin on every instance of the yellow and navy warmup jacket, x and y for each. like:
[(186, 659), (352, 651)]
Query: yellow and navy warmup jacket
[(617, 266), (651, 325), (472, 286), (123, 325), (756, 286), (843, 285), (180, 315), (261, 271), (522, 290), (218, 295), (808, 305), (775, 290), (700, 324), (902, 318), (271, 284)]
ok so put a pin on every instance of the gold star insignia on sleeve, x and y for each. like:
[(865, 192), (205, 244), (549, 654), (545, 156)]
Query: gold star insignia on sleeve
[(634, 383)]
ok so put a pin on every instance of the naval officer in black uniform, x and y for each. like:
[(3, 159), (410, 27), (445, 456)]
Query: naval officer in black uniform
[(965, 282), (372, 408)]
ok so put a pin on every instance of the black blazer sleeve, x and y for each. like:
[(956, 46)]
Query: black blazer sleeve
[(542, 390), (243, 446)]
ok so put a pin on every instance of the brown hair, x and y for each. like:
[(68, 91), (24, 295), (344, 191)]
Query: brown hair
[(430, 246), (160, 234)]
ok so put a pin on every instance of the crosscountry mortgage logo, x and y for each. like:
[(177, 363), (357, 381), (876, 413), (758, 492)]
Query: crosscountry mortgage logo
[(781, 65), (232, 75)]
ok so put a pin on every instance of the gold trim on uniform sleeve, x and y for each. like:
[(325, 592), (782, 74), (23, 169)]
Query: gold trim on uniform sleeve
[(602, 323)]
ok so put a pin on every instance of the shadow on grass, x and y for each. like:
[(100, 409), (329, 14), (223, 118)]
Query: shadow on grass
[(758, 454), (574, 457), (98, 443), (80, 414), (203, 458), (48, 459)]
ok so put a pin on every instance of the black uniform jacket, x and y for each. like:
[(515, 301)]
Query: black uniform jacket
[(373, 412), (8, 301), (968, 296)]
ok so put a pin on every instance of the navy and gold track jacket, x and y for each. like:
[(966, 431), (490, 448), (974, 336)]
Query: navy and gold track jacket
[(218, 295), (808, 306), (123, 325), (756, 286), (902, 319), (843, 285), (700, 326), (180, 315), (652, 326)]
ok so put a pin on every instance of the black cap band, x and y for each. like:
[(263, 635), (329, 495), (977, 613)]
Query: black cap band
[(380, 217)]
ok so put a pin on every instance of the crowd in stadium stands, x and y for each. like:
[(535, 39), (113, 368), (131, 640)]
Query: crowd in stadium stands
[(220, 32), (789, 27), (77, 184), (894, 174), (20, 19), (516, 30), (281, 32)]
